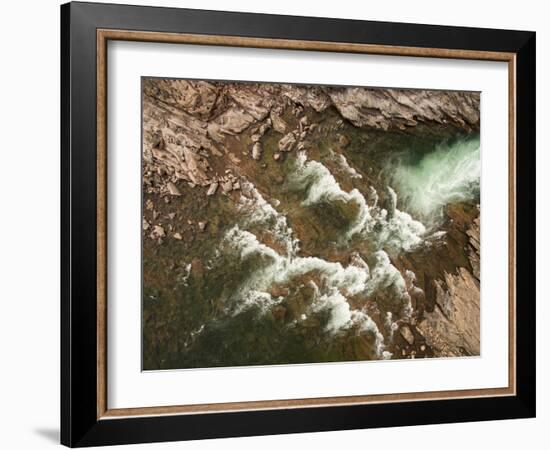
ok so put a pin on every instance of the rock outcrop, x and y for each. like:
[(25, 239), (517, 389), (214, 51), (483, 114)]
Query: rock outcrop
[(401, 108), (453, 328)]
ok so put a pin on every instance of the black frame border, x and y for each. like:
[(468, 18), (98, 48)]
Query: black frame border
[(79, 424)]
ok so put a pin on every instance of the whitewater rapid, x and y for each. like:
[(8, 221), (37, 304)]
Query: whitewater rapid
[(448, 174), (335, 283), (336, 279), (441, 177), (393, 229)]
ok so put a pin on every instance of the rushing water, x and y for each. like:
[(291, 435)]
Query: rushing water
[(287, 306), (449, 174)]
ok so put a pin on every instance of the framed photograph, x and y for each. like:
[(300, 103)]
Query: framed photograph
[(276, 224)]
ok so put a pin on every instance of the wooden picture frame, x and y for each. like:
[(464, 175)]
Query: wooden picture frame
[(86, 418)]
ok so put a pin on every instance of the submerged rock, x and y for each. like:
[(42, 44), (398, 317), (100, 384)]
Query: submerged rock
[(343, 140)]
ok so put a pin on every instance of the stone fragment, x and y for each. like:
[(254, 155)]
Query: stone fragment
[(278, 123), (287, 143), (178, 236), (202, 225), (257, 151), (158, 230), (173, 189), (227, 186), (277, 156), (212, 189)]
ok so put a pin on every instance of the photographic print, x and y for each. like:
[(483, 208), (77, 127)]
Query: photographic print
[(299, 224)]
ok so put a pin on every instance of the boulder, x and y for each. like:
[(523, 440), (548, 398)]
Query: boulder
[(278, 123), (212, 188), (257, 151), (158, 230), (287, 143), (172, 189), (227, 186)]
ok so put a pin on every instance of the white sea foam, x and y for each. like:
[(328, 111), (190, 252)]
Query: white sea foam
[(258, 211), (400, 231), (186, 275), (263, 300), (321, 185), (342, 317), (337, 282), (384, 276), (396, 230)]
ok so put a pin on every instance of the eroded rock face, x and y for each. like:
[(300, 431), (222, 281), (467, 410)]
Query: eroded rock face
[(452, 329), (197, 98), (315, 97), (398, 108)]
